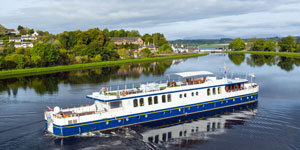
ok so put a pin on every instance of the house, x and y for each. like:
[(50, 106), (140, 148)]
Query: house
[(15, 39), (179, 49), (1, 42), (153, 48), (12, 31), (128, 40), (24, 45), (28, 37), (35, 34)]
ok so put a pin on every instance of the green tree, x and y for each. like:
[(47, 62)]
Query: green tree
[(166, 48), (47, 52), (97, 58), (16, 60), (250, 43), (270, 45), (258, 45), (20, 27), (145, 52), (237, 44), (2, 30), (287, 44), (123, 53), (297, 47)]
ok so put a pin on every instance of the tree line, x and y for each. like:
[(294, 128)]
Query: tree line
[(73, 47), (286, 44)]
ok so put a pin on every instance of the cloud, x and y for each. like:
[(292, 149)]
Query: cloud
[(175, 18)]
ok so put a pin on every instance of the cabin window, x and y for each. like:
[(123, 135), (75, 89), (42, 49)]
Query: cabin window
[(214, 91), (149, 100), (192, 93), (180, 133), (169, 98), (74, 121), (150, 139), (70, 122), (163, 98), (156, 138), (169, 135), (135, 103), (155, 100), (197, 93), (184, 94), (164, 137), (141, 101), (116, 104), (180, 95), (208, 92), (219, 90)]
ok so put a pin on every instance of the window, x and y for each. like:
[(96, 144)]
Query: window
[(135, 103), (163, 98), (169, 135), (208, 92), (219, 90), (155, 100), (169, 98), (192, 93), (180, 96), (70, 122), (164, 137), (149, 100), (116, 104), (214, 91), (156, 138), (184, 94), (150, 139), (197, 93), (141, 101)]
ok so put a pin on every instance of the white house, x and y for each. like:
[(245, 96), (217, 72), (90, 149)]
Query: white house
[(35, 34), (24, 45), (179, 49), (1, 42), (12, 31), (28, 37), (15, 39)]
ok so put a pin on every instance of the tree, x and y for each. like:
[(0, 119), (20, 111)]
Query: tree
[(270, 45), (145, 52), (237, 44), (258, 45), (297, 47), (250, 43), (48, 53), (124, 53), (20, 27), (97, 58), (287, 44), (2, 30), (16, 60), (166, 48)]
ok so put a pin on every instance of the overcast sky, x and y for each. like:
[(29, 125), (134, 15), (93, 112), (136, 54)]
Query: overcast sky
[(176, 19)]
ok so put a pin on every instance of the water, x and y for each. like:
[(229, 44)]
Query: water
[(272, 124)]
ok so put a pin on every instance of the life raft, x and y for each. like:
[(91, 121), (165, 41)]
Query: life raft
[(123, 93)]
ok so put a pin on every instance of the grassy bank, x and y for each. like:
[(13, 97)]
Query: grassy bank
[(212, 45), (286, 54), (46, 70)]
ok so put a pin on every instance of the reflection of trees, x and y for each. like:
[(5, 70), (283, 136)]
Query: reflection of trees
[(237, 59), (43, 84), (297, 61), (256, 60), (286, 63)]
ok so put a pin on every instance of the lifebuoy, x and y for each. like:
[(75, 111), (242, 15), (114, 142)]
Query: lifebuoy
[(123, 93)]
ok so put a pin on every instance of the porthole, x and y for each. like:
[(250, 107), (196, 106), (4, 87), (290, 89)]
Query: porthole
[(107, 122)]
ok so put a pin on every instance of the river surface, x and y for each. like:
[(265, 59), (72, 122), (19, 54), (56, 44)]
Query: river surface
[(273, 124)]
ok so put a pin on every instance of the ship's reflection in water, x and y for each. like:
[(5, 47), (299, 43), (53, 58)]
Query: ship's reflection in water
[(197, 128)]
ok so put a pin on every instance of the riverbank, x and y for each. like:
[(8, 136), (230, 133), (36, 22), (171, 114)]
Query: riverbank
[(285, 54), (46, 70)]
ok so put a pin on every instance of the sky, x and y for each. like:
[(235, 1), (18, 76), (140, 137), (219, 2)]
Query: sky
[(176, 19)]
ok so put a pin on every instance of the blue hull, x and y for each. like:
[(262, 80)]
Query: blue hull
[(146, 117)]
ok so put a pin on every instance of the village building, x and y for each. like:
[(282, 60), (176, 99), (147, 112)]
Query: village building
[(179, 49), (153, 48), (24, 45), (12, 31), (28, 37), (128, 40), (15, 39), (1, 42)]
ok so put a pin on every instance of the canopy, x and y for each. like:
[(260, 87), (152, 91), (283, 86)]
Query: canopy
[(191, 74)]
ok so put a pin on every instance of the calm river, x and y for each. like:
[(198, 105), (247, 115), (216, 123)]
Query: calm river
[(274, 123)]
